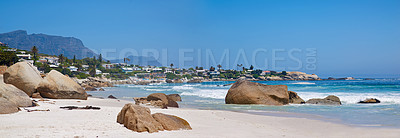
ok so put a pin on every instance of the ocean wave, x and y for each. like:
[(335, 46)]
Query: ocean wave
[(353, 98), (157, 90), (304, 83), (182, 88), (208, 93)]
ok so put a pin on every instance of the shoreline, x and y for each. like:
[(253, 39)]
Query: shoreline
[(288, 111), (301, 115), (205, 123)]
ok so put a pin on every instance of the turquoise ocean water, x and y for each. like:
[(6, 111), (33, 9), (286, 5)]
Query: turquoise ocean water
[(210, 95)]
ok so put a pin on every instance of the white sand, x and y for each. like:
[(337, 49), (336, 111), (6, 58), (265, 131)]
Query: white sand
[(205, 123)]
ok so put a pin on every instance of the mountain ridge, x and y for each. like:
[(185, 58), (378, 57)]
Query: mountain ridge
[(47, 44), (56, 45)]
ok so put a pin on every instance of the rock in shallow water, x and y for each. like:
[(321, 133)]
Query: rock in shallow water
[(294, 98), (164, 98), (246, 92), (112, 97), (370, 100), (329, 100), (174, 97)]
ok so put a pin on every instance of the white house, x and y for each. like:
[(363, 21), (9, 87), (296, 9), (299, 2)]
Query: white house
[(24, 56), (202, 71), (108, 66), (214, 73), (98, 72), (126, 70), (168, 70), (85, 66), (157, 69), (136, 68), (73, 68)]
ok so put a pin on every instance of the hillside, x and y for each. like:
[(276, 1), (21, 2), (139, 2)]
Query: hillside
[(47, 44), (56, 45)]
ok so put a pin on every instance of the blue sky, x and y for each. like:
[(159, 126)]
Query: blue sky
[(352, 38)]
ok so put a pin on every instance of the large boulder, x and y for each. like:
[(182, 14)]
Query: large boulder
[(138, 118), (164, 98), (294, 98), (174, 97), (246, 92), (24, 76), (11, 98), (171, 122), (7, 107), (57, 86), (329, 100)]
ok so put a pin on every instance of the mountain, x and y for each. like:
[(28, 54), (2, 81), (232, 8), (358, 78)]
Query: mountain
[(139, 60), (47, 44), (56, 45)]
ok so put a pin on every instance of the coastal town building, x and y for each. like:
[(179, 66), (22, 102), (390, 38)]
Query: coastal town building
[(98, 72), (215, 73), (73, 68), (108, 66), (127, 70)]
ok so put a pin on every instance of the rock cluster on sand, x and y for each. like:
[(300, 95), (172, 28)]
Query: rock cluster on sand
[(174, 97), (24, 76), (55, 85), (139, 119), (11, 98), (89, 88), (91, 84), (370, 100), (329, 100), (171, 122), (58, 86), (246, 92), (159, 100)]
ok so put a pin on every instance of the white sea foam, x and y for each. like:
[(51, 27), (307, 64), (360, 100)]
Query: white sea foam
[(182, 88), (352, 98), (157, 90), (304, 83), (208, 93)]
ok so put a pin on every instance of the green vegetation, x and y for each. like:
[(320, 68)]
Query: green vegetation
[(8, 58)]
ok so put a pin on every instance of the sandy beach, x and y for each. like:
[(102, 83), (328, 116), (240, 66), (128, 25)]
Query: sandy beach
[(205, 123)]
